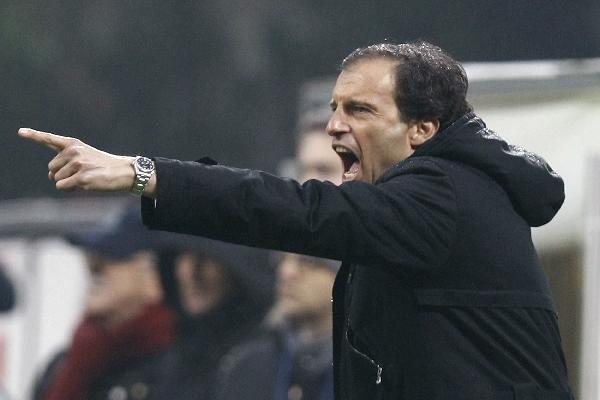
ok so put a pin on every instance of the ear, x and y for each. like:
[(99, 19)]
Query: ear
[(422, 131)]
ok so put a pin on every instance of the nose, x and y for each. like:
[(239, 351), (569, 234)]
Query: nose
[(337, 124), (288, 267)]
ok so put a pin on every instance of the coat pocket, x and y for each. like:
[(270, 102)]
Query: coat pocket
[(514, 394), (480, 343), (483, 298)]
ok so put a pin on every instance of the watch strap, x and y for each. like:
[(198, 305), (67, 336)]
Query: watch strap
[(141, 176)]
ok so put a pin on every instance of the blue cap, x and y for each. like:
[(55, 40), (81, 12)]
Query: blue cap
[(120, 240)]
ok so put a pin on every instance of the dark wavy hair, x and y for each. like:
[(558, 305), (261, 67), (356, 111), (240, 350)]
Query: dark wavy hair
[(430, 84)]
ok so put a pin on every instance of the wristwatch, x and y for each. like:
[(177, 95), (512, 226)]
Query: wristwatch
[(144, 168)]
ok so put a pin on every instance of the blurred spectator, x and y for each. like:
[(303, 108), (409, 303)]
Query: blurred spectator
[(7, 291), (125, 327), (221, 293), (315, 159), (7, 302), (293, 359)]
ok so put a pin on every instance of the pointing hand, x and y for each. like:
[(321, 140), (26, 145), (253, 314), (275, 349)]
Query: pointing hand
[(81, 166)]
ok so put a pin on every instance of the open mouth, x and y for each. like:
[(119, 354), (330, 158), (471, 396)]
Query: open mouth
[(350, 161)]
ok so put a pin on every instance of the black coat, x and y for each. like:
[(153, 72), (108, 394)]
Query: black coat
[(440, 295)]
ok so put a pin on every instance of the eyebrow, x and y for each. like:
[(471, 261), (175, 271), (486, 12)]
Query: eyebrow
[(353, 103)]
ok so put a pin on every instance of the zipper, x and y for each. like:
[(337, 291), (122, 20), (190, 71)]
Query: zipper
[(379, 378)]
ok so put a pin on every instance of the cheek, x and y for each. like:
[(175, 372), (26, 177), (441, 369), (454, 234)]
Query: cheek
[(375, 138), (393, 145), (321, 286), (185, 275), (123, 283)]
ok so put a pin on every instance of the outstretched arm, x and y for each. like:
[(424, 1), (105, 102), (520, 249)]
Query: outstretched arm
[(81, 166), (408, 219)]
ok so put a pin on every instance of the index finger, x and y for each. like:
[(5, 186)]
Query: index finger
[(55, 142)]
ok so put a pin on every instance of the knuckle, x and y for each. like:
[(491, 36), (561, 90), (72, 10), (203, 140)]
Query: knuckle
[(61, 185), (70, 151), (77, 164), (74, 150), (84, 180)]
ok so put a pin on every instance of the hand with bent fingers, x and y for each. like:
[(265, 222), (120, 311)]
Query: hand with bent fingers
[(81, 166)]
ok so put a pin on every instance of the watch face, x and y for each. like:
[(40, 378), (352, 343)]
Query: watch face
[(145, 164)]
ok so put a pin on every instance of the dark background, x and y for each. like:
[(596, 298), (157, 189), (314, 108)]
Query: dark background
[(185, 79)]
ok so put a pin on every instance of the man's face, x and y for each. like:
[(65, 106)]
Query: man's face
[(303, 287), (316, 159), (202, 283), (121, 288), (366, 126)]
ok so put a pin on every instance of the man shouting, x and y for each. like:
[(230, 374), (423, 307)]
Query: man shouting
[(440, 295)]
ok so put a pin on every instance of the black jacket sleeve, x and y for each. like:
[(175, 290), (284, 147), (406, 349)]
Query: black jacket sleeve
[(407, 220)]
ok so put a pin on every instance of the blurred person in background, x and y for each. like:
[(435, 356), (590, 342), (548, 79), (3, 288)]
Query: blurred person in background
[(220, 293), (7, 303), (295, 352), (126, 326), (315, 159), (7, 291), (292, 358)]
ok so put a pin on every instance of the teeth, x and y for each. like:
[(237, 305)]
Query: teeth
[(340, 149)]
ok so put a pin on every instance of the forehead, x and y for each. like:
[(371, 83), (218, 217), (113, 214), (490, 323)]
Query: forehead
[(366, 80), (313, 264)]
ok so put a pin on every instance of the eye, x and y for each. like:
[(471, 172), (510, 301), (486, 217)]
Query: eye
[(358, 109)]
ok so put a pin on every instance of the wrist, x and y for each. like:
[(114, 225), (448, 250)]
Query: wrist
[(128, 173)]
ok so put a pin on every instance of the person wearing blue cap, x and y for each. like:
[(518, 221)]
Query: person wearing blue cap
[(126, 326)]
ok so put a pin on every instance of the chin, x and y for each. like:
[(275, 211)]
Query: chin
[(291, 312)]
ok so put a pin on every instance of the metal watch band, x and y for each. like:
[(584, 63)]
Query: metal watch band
[(142, 174)]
